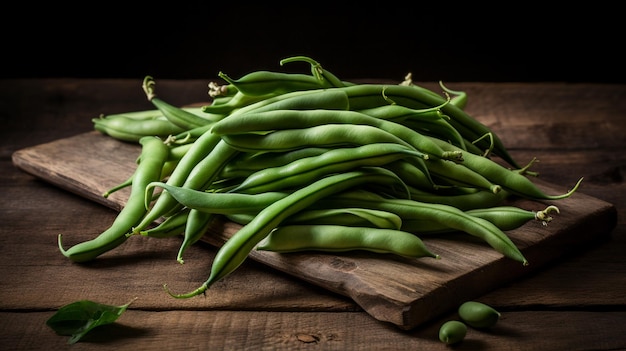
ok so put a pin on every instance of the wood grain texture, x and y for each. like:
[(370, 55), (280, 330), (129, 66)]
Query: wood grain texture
[(403, 292), (576, 302)]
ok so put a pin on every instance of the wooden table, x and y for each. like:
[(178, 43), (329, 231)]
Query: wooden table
[(575, 303)]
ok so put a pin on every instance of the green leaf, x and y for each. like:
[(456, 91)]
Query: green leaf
[(78, 318)]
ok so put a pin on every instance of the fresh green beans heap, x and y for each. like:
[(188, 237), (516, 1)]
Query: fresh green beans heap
[(309, 162)]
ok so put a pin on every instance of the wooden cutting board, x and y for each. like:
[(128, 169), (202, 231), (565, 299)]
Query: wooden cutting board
[(404, 292)]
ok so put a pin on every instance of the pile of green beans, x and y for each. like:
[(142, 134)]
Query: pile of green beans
[(310, 162)]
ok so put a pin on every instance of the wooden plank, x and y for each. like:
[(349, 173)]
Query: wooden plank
[(404, 292), (261, 330)]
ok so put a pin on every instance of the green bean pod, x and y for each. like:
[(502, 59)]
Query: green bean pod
[(128, 129), (463, 201), (452, 332), (259, 83), (504, 217), (305, 170), (236, 249), (514, 182), (324, 76), (351, 216), (153, 155), (441, 129), (293, 119), (325, 135), (171, 226), (200, 150), (449, 216), (459, 99), (458, 174), (139, 115), (413, 175), (198, 223), (176, 115), (236, 102), (339, 238), (247, 163), (478, 315), (176, 153), (364, 96), (328, 99), (220, 203), (357, 217), (512, 217)]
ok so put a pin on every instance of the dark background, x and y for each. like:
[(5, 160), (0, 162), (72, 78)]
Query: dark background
[(515, 42)]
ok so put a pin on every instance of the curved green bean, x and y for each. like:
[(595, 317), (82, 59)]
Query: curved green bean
[(299, 119), (514, 182), (304, 170), (444, 214), (268, 82), (236, 249), (339, 238), (176, 115), (220, 203), (153, 155)]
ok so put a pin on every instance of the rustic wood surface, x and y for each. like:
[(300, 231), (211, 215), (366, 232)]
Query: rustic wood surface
[(405, 292), (576, 302)]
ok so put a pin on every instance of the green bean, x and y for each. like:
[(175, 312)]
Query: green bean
[(329, 99), (322, 75), (171, 226), (293, 119), (459, 99), (197, 224), (189, 136), (462, 201), (452, 332), (200, 150), (220, 203), (358, 217), (128, 129), (178, 151), (198, 177), (326, 135), (305, 170), (241, 218), (412, 174), (458, 174), (504, 217), (514, 182), (125, 184), (430, 121), (139, 115), (247, 163), (236, 249), (268, 82), (339, 238), (441, 129), (236, 102), (153, 155), (444, 214), (478, 315), (208, 169), (364, 96), (176, 115), (152, 113), (347, 216), (512, 217), (175, 154)]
